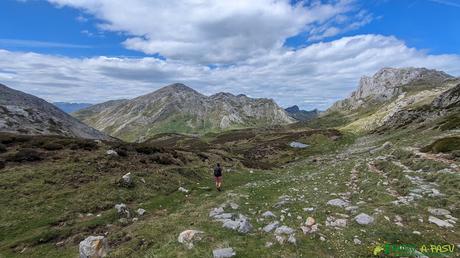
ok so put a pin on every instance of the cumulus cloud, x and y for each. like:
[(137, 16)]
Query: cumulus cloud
[(217, 31), (311, 77)]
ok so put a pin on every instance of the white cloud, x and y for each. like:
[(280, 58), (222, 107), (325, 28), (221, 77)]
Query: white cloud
[(312, 77), (215, 31)]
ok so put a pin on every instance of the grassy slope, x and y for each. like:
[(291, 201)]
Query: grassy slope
[(48, 197)]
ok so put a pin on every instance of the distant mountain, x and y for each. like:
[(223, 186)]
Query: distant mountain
[(26, 114), (301, 115), (397, 97), (178, 108), (71, 107)]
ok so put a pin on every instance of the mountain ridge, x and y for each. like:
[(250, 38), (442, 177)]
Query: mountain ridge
[(179, 108)]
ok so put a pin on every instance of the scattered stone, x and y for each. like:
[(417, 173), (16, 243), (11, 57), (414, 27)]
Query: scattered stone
[(223, 252), (357, 241), (322, 238), (310, 222), (242, 224), (188, 237), (351, 208), (439, 222), (416, 232), (135, 219), (216, 211), (284, 230), (234, 206), (336, 223), (291, 239), (438, 211), (123, 210), (123, 221), (112, 153), (298, 145), (140, 211), (364, 219), (282, 200), (93, 247), (127, 179), (310, 209), (60, 243), (181, 189), (338, 203), (270, 227), (268, 214), (268, 244), (280, 239)]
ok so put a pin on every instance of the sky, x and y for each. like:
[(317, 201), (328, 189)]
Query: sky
[(309, 53)]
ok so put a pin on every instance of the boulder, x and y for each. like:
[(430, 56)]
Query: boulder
[(284, 230), (338, 203), (181, 189), (188, 237), (438, 211), (310, 222), (439, 222), (93, 247), (364, 219), (112, 153), (270, 227), (127, 180), (336, 223), (122, 210), (223, 252), (216, 211), (140, 211), (268, 214)]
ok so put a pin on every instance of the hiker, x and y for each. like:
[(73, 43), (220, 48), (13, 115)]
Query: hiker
[(218, 176)]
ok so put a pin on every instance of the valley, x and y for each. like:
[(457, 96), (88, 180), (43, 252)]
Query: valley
[(375, 171)]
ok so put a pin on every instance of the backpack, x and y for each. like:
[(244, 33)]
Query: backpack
[(217, 172)]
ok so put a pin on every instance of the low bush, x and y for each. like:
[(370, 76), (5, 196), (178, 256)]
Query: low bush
[(3, 148), (83, 144), (163, 158), (51, 146), (2, 164), (444, 145), (25, 155), (147, 149)]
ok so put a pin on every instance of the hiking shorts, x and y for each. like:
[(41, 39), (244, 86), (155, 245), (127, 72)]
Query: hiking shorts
[(218, 179)]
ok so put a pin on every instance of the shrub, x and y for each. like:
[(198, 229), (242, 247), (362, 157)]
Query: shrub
[(3, 148), (147, 149), (2, 164), (25, 155), (163, 158), (444, 145), (52, 146), (84, 144)]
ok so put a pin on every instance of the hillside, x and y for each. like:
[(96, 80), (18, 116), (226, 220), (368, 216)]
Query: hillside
[(26, 114), (389, 92), (178, 108)]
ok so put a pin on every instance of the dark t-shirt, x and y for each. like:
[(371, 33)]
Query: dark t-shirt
[(218, 171)]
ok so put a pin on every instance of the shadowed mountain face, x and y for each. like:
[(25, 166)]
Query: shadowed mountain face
[(301, 115), (26, 114), (71, 107), (178, 108)]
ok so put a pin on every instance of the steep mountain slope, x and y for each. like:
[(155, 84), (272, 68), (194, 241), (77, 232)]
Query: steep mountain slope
[(389, 92), (71, 107), (301, 115), (26, 114), (178, 108)]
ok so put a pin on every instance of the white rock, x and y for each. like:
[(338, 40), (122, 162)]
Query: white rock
[(364, 219), (338, 203), (291, 239), (181, 189), (216, 211), (284, 230), (438, 211), (416, 232), (268, 214), (357, 241), (270, 227), (223, 252), (140, 211), (122, 210), (268, 244), (127, 179), (310, 221), (187, 237), (93, 247), (112, 153), (441, 223), (322, 238)]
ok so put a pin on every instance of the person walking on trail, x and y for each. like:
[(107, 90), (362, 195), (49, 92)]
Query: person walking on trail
[(218, 177)]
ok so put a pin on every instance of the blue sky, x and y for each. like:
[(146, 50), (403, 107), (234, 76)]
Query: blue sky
[(296, 52)]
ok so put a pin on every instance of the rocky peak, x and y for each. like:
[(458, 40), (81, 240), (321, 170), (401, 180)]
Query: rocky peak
[(388, 83), (294, 108)]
